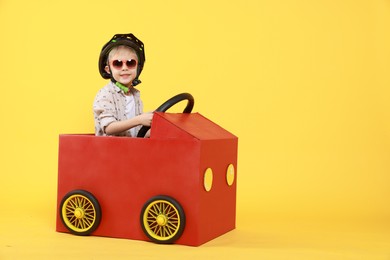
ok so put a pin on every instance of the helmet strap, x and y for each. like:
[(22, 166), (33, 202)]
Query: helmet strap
[(135, 82)]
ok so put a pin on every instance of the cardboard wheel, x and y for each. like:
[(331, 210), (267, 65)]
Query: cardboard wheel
[(80, 212), (162, 219)]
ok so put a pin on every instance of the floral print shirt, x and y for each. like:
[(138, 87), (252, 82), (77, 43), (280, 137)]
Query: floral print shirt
[(110, 106)]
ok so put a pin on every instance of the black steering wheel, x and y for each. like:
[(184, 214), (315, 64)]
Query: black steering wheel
[(168, 104)]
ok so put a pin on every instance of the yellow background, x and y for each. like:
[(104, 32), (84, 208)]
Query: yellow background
[(303, 84)]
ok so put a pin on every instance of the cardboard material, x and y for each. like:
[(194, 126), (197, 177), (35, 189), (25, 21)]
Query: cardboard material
[(124, 173)]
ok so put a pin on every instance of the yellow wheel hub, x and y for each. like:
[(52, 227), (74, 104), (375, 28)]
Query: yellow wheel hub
[(79, 213), (161, 220)]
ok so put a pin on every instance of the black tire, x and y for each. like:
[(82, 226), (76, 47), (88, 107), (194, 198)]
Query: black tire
[(162, 219), (80, 212)]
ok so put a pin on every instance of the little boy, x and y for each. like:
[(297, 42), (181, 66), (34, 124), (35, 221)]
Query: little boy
[(118, 108)]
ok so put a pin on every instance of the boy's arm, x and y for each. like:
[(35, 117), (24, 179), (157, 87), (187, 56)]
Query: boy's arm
[(124, 125)]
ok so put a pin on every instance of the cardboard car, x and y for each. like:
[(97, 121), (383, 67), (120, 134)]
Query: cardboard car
[(178, 186)]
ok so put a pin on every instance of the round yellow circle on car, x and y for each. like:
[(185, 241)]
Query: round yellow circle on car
[(230, 174), (208, 179)]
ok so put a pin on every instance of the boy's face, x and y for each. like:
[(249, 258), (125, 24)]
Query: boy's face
[(123, 64)]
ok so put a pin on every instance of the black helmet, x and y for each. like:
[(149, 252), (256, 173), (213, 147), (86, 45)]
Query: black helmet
[(127, 40)]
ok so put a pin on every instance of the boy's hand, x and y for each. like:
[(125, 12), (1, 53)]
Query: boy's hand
[(146, 119)]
